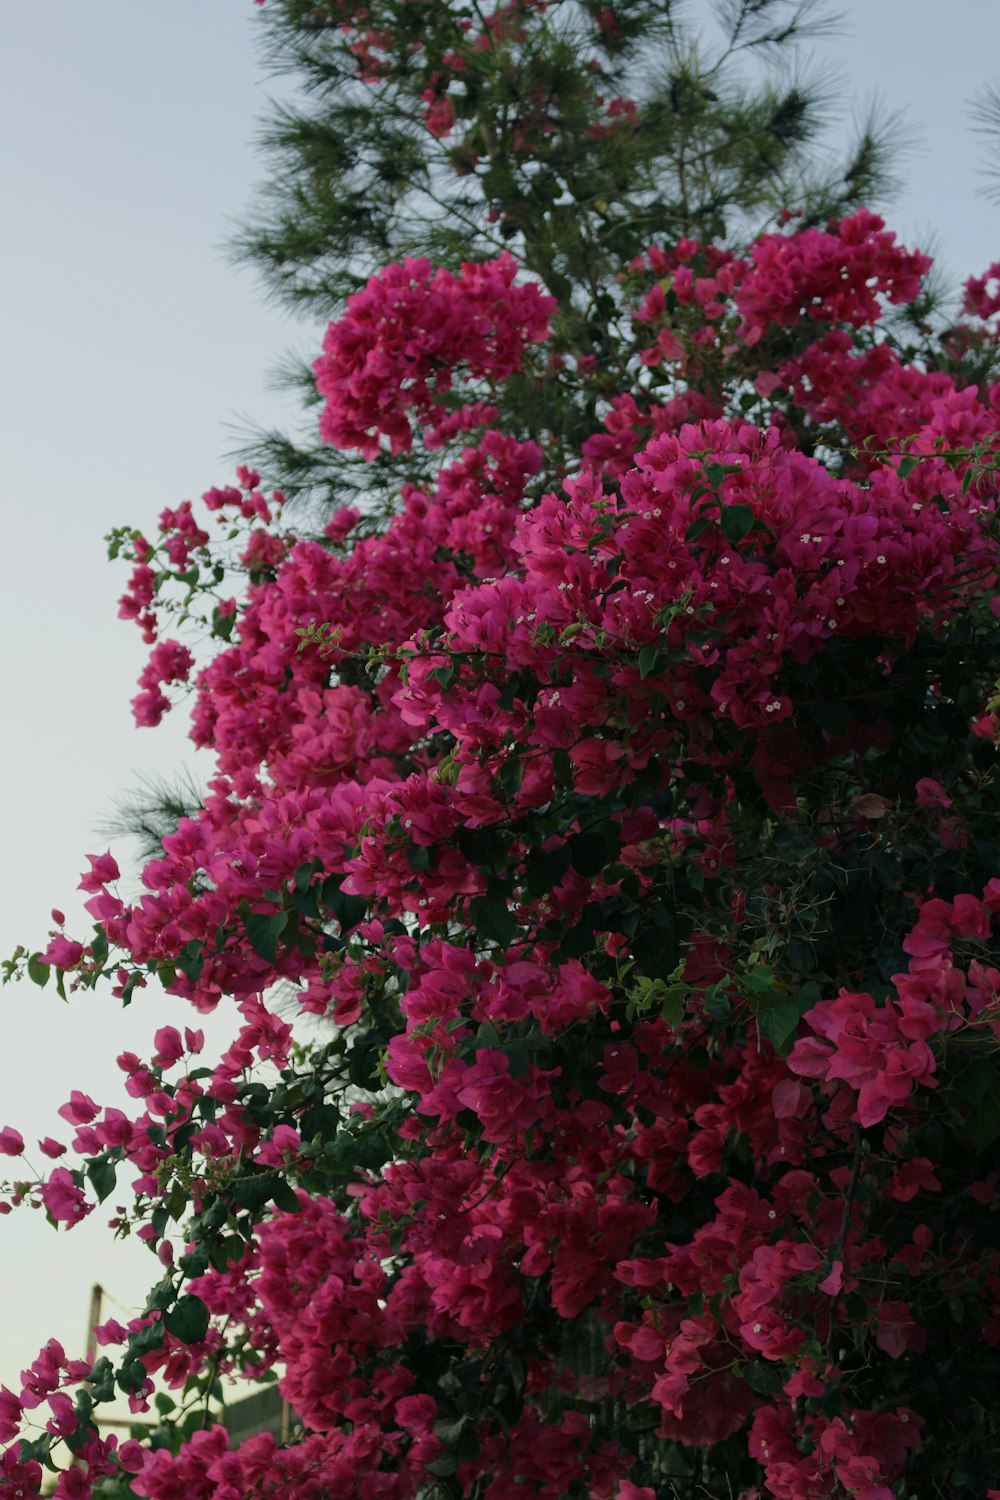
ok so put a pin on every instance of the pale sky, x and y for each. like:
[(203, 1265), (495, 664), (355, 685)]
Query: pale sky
[(130, 347)]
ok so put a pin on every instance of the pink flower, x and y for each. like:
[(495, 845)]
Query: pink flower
[(63, 1419), (80, 1109), (63, 1199), (62, 953), (11, 1142), (931, 793), (169, 1047), (132, 1455), (103, 870)]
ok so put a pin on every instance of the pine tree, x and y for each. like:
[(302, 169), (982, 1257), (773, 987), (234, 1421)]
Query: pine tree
[(582, 132)]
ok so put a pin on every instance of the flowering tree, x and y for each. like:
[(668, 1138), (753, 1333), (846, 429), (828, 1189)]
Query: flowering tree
[(629, 819)]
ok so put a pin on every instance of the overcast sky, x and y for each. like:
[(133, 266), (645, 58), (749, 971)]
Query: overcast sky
[(130, 347)]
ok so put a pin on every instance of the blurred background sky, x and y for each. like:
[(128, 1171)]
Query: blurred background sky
[(131, 350)]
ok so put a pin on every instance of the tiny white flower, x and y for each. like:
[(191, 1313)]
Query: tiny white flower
[(880, 558)]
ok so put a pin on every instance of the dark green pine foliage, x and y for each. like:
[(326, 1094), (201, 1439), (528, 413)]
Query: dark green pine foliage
[(582, 132)]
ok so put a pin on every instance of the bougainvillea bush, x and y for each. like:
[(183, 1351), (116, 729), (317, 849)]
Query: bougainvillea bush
[(628, 828)]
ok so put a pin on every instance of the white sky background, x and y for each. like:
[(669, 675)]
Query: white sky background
[(129, 348)]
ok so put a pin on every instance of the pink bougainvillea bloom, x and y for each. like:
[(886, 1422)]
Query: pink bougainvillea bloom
[(63, 1199), (63, 953), (80, 1109), (103, 870)]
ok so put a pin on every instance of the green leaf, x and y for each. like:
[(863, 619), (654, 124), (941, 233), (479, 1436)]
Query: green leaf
[(494, 921), (37, 1450), (562, 767), (832, 715), (348, 910), (976, 1081), (715, 474), (371, 1151), (187, 1320), (458, 1437), (983, 1125), (760, 981), (517, 1058), (511, 775), (102, 1177), (545, 868), (737, 520), (673, 1008), (778, 1023), (146, 1340), (132, 983), (321, 1120), (38, 972), (588, 854), (132, 1375), (102, 1380), (285, 1197), (780, 1020), (762, 1378), (224, 1251), (303, 876), (191, 960), (444, 1466), (907, 464), (648, 657), (254, 1191), (264, 931), (99, 945)]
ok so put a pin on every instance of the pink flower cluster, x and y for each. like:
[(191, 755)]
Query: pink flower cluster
[(834, 275), (395, 354), (497, 791), (881, 1052)]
